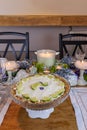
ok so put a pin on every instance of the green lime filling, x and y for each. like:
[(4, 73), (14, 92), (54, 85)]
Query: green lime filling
[(46, 99), (34, 99), (37, 84), (26, 96), (44, 83)]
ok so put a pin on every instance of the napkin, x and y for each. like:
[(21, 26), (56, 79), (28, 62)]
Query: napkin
[(5, 101), (21, 74), (4, 109), (78, 98)]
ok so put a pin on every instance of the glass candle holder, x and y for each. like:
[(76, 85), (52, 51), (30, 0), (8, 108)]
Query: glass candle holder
[(10, 67), (2, 68), (47, 57)]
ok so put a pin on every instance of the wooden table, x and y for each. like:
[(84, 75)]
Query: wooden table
[(63, 118)]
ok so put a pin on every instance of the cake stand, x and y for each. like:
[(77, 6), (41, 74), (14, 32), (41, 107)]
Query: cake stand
[(43, 114), (82, 65), (44, 109)]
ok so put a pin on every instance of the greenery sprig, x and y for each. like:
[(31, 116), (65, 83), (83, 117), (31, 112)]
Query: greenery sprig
[(85, 76), (52, 69)]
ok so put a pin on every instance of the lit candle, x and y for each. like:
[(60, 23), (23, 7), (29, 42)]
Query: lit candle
[(46, 71), (47, 57), (81, 64), (11, 65)]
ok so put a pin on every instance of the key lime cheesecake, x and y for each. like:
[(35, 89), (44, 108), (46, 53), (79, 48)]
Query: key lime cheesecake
[(40, 90)]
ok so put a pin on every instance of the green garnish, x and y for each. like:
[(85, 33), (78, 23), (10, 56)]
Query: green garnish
[(35, 85), (26, 96), (33, 99), (46, 99), (40, 67), (85, 76), (44, 83), (52, 69)]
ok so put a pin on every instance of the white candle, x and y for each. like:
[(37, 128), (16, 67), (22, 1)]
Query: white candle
[(47, 57), (11, 65), (3, 62), (46, 71), (81, 64), (2, 65)]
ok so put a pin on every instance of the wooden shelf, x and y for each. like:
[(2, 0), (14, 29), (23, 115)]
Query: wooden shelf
[(43, 20)]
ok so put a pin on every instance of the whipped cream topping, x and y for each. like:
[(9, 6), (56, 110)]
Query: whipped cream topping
[(39, 86)]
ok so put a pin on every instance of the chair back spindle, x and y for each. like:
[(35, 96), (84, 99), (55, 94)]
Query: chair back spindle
[(75, 39), (11, 41)]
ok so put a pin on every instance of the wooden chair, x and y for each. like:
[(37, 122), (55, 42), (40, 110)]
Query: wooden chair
[(76, 39), (10, 42)]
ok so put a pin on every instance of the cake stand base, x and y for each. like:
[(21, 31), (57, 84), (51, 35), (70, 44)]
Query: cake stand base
[(43, 114), (81, 80)]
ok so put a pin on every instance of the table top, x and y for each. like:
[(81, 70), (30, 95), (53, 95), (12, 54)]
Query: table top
[(63, 118)]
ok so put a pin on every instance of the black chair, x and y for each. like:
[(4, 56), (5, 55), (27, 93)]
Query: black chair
[(12, 41), (76, 39)]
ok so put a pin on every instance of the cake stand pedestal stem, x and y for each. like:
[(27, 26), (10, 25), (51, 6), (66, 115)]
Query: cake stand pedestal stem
[(81, 80)]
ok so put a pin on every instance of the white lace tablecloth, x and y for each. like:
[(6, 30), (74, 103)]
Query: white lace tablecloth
[(78, 98)]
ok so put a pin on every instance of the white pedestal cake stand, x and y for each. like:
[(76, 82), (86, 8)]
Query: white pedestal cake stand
[(43, 114), (81, 80), (41, 110)]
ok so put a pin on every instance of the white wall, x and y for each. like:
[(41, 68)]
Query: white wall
[(43, 37), (59, 7)]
